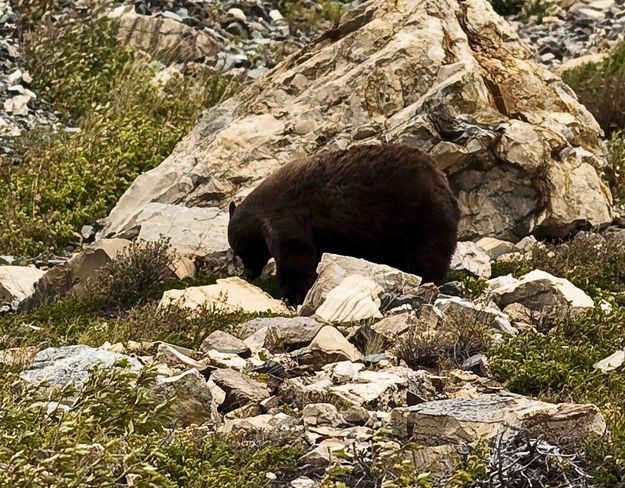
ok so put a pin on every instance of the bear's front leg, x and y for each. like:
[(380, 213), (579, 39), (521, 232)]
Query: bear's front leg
[(296, 265)]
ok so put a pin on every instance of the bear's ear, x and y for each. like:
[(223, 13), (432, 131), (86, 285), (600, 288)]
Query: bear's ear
[(232, 208)]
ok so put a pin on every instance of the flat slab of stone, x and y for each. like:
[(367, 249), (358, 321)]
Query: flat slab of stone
[(59, 366), (492, 415), (231, 294), (280, 334)]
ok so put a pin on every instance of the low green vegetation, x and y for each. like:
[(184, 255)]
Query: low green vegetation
[(121, 304), (111, 434), (600, 87), (555, 363), (57, 182), (308, 19)]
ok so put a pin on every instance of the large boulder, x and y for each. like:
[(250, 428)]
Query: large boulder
[(498, 415), (448, 76)]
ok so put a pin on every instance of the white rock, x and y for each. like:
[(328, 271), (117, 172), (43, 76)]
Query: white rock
[(17, 283), (18, 105), (496, 247), (229, 294), (355, 298), (540, 290), (333, 269), (72, 364), (329, 345), (237, 13), (472, 258), (610, 363)]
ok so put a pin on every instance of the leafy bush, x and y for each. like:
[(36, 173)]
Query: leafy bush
[(110, 434), (105, 437), (446, 347), (308, 18), (127, 126), (558, 367), (137, 268), (75, 62), (601, 88), (615, 170)]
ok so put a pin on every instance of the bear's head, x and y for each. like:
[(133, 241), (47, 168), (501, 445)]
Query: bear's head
[(246, 238)]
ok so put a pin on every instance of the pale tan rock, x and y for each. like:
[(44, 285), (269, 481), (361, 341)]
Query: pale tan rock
[(164, 38), (192, 398), (541, 291), (328, 346), (355, 298), (230, 294), (17, 283), (334, 268), (536, 171)]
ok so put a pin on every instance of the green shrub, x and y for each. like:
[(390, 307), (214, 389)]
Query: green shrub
[(446, 347), (73, 321), (137, 268), (198, 461), (75, 62), (111, 434), (558, 367), (601, 88), (312, 18), (106, 437), (615, 170), (127, 126)]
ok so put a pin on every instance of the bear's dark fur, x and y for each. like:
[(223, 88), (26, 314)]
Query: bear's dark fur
[(387, 204)]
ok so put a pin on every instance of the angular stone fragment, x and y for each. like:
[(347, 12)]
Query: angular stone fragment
[(226, 343), (192, 398), (494, 415), (355, 298), (328, 346), (612, 362), (541, 291), (471, 258), (333, 269), (240, 389), (17, 283), (282, 333), (496, 247)]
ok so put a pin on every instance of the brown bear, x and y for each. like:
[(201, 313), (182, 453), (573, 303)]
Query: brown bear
[(387, 204)]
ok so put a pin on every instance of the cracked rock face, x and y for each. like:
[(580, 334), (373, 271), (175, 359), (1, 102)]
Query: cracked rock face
[(448, 76)]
